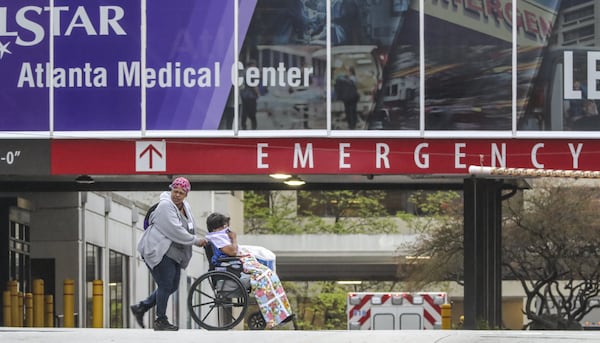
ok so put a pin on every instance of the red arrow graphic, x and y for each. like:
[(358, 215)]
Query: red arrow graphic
[(150, 150)]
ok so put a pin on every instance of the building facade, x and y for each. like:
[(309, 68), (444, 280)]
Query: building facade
[(86, 236), (133, 93)]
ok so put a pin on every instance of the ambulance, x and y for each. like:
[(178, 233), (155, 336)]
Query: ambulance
[(395, 310)]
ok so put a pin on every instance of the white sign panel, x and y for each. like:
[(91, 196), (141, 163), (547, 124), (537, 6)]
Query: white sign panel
[(151, 156)]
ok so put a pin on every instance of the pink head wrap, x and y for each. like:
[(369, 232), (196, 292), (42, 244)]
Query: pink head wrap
[(182, 183)]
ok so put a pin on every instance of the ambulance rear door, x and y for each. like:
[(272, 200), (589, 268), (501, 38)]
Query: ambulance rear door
[(410, 318)]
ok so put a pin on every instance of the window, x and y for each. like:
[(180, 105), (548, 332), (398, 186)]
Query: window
[(118, 285), (582, 32), (19, 249), (576, 15)]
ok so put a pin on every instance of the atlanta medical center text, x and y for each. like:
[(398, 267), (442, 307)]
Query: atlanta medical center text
[(171, 75)]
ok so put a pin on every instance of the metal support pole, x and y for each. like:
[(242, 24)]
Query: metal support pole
[(483, 256)]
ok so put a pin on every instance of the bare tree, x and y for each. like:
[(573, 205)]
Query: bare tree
[(550, 245), (438, 253)]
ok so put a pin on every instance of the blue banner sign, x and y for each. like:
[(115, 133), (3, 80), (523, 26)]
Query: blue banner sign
[(86, 65)]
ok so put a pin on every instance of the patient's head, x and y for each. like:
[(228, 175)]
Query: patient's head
[(216, 220)]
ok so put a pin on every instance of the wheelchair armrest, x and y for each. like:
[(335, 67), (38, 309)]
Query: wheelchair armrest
[(227, 259), (230, 264)]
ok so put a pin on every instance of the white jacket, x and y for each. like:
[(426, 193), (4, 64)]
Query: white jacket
[(165, 228)]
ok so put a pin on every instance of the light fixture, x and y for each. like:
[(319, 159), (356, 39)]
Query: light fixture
[(84, 180), (280, 176), (349, 282), (294, 181)]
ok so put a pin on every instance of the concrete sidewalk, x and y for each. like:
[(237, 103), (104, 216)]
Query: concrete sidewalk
[(60, 335)]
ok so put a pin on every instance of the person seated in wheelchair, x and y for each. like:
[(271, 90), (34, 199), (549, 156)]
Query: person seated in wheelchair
[(265, 284)]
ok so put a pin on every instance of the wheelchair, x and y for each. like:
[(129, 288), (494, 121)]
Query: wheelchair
[(218, 300)]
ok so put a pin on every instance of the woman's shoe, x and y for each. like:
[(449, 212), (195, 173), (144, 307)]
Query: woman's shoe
[(138, 311), (164, 325)]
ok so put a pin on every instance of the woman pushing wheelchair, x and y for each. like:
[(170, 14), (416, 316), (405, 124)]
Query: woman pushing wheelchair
[(265, 284)]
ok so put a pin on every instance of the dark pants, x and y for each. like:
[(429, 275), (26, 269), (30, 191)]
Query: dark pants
[(166, 275), (249, 112), (351, 115)]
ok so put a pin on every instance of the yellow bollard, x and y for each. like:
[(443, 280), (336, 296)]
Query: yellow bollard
[(6, 309), (49, 311), (20, 304), (38, 303), (28, 310), (446, 316), (97, 304), (13, 286), (69, 303)]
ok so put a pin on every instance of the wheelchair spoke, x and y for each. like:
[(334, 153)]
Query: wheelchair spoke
[(203, 304), (209, 296), (211, 308), (203, 293)]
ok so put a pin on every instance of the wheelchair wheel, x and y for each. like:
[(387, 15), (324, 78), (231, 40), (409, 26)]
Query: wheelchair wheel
[(218, 300), (256, 321)]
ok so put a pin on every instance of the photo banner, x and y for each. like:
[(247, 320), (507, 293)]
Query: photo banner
[(140, 68)]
